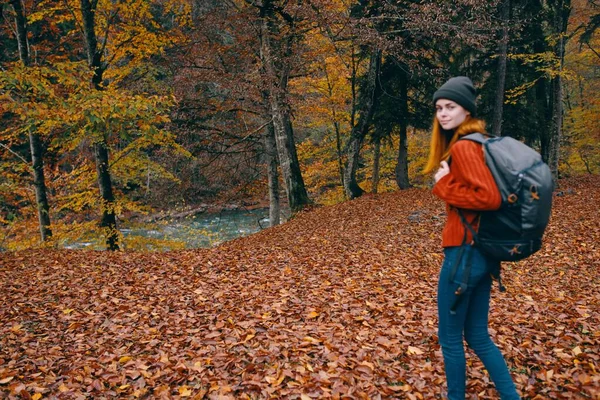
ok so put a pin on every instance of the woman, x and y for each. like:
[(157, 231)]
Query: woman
[(467, 187)]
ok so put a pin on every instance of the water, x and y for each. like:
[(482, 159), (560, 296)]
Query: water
[(209, 229), (200, 231)]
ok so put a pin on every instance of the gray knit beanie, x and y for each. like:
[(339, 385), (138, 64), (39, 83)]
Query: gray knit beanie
[(459, 89)]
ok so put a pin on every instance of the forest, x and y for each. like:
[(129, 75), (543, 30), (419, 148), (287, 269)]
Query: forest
[(115, 112), (139, 115)]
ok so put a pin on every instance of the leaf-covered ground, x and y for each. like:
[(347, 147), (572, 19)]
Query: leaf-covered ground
[(337, 303)]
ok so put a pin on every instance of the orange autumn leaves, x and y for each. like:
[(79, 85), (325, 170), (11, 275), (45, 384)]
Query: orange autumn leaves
[(339, 302)]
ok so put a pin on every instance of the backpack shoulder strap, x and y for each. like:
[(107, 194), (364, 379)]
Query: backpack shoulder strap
[(476, 137)]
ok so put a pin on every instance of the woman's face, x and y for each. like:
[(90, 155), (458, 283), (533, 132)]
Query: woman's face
[(450, 114)]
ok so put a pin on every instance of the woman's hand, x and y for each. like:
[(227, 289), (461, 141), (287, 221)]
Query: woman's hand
[(442, 171)]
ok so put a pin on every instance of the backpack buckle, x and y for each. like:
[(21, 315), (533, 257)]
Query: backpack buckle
[(534, 193), (515, 250)]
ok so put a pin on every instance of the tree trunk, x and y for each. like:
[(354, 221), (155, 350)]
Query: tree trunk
[(109, 220), (543, 105), (288, 158), (35, 143), (402, 162), (563, 9), (39, 183), (277, 76), (88, 11), (402, 165), (340, 154), (21, 26), (273, 177), (351, 187), (336, 127), (272, 163), (501, 83), (556, 127), (376, 157), (359, 131)]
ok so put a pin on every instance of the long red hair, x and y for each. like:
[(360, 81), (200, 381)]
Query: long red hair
[(442, 140)]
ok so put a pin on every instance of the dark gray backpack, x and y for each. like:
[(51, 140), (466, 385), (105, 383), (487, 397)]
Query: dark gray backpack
[(515, 230)]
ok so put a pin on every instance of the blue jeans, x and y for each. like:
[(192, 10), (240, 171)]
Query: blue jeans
[(471, 321)]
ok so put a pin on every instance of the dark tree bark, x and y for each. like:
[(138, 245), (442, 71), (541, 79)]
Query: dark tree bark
[(273, 176), (402, 165), (88, 10), (108, 222), (561, 19), (376, 157), (402, 162), (35, 143), (340, 153), (555, 127), (272, 163), (336, 127), (275, 54), (367, 106), (39, 182), (94, 56), (543, 115), (543, 104), (21, 27), (501, 71)]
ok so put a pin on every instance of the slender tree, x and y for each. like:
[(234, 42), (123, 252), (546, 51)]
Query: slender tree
[(497, 113), (376, 160), (366, 108), (35, 142), (562, 10), (94, 56), (276, 52), (402, 162), (272, 164)]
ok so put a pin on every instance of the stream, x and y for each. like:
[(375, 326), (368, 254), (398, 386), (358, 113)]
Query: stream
[(200, 231)]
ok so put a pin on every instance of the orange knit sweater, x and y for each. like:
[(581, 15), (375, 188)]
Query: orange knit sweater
[(469, 186)]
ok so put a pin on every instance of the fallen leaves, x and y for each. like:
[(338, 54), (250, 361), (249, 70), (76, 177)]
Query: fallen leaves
[(414, 350), (6, 380), (312, 314), (337, 303)]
